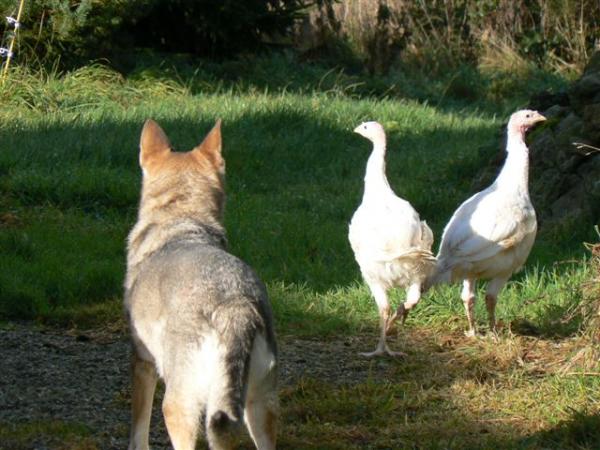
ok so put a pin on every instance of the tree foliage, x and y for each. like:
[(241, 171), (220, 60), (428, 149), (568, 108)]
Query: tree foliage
[(75, 31)]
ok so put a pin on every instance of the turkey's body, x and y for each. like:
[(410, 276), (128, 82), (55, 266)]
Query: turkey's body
[(490, 235), (392, 246), (386, 253)]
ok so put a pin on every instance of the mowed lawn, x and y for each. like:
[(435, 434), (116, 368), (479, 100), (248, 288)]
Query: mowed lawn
[(69, 182)]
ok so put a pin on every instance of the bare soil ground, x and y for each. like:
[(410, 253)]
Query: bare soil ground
[(83, 378), (70, 390)]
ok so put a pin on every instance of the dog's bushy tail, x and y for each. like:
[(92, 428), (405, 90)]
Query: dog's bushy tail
[(237, 325)]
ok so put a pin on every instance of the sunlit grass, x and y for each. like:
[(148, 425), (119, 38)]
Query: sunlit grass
[(420, 411), (69, 186), (294, 176), (70, 183)]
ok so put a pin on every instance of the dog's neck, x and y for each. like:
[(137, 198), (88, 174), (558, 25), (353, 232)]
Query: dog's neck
[(148, 237)]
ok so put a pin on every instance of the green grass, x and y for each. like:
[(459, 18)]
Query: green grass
[(70, 181), (69, 185), (54, 434), (457, 405)]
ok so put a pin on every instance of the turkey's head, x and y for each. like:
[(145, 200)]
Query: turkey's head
[(523, 120), (373, 131)]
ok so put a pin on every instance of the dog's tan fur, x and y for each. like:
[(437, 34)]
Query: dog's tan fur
[(163, 203), (199, 317)]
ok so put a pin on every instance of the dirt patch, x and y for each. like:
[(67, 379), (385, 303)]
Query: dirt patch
[(49, 375), (83, 378)]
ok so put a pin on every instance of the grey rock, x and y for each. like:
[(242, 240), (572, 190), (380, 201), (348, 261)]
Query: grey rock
[(556, 111), (543, 149), (591, 120), (569, 206), (595, 189), (591, 168), (564, 179), (587, 86), (570, 163), (593, 65), (570, 126)]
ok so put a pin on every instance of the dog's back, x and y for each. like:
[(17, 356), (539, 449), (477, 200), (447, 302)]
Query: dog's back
[(199, 316)]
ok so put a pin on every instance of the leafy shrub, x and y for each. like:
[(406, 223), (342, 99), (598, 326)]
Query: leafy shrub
[(67, 32)]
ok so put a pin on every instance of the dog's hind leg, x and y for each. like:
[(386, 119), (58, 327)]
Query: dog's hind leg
[(182, 418), (261, 420), (223, 415), (183, 402), (262, 405), (144, 383)]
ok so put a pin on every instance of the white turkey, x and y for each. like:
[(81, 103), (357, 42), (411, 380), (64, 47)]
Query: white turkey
[(491, 234), (391, 244)]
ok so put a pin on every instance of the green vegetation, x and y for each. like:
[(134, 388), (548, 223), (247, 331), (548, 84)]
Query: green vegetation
[(70, 177), (56, 434), (69, 184), (373, 34), (70, 33), (467, 398)]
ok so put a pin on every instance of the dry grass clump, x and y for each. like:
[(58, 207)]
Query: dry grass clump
[(591, 305), (558, 35), (586, 357), (501, 55)]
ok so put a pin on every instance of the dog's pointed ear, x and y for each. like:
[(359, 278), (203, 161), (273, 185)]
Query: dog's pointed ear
[(211, 147), (153, 142)]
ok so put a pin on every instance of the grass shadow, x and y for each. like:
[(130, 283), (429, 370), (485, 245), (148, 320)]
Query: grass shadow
[(451, 90), (450, 392), (295, 172), (580, 431)]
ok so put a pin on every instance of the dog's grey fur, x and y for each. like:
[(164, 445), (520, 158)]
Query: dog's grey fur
[(199, 316)]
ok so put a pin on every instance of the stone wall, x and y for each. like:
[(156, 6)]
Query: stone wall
[(564, 152)]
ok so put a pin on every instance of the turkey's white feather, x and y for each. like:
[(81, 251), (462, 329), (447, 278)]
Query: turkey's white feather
[(490, 234), (391, 244)]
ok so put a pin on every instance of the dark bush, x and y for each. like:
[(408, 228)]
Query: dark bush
[(76, 31), (209, 28)]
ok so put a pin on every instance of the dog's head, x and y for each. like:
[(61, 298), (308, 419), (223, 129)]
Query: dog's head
[(182, 184)]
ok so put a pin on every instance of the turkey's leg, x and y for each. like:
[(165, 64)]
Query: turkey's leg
[(468, 297), (383, 305)]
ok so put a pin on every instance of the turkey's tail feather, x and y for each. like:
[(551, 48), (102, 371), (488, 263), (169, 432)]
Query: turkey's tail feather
[(413, 253), (422, 261), (426, 236)]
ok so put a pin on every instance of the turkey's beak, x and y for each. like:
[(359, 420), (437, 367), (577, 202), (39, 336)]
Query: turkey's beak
[(538, 118), (357, 129)]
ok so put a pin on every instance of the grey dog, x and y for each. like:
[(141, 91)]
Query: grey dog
[(199, 317)]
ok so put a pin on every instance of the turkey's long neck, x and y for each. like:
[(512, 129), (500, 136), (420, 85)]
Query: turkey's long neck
[(515, 173), (376, 182)]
